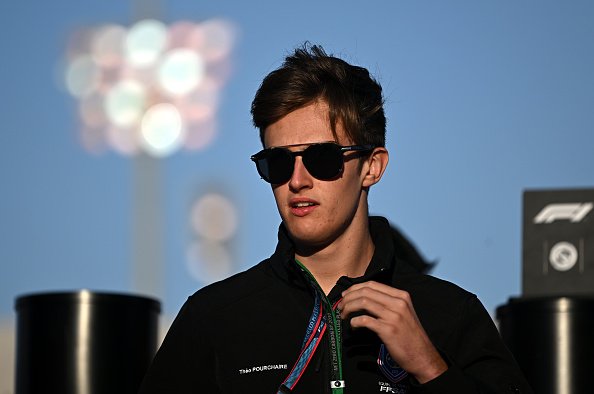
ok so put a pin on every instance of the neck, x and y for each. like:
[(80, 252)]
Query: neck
[(348, 255)]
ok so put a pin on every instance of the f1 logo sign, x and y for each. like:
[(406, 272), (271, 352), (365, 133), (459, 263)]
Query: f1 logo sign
[(574, 212)]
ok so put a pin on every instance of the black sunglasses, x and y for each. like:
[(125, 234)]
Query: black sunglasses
[(323, 161)]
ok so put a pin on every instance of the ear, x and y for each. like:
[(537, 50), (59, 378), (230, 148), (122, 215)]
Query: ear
[(375, 166)]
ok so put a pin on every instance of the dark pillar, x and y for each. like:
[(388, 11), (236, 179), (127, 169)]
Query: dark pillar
[(84, 342), (552, 338)]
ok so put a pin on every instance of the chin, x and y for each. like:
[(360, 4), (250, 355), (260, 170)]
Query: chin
[(309, 236)]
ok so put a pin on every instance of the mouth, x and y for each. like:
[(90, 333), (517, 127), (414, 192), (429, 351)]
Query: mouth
[(302, 204), (302, 207)]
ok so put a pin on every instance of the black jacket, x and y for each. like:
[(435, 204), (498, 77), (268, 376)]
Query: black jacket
[(244, 334)]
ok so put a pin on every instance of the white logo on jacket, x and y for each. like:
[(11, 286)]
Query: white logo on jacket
[(387, 387)]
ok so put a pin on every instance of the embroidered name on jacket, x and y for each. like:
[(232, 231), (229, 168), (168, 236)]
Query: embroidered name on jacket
[(262, 368)]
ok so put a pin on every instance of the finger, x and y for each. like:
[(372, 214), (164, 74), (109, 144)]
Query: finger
[(364, 295), (386, 329), (362, 304), (366, 321), (380, 287), (393, 314)]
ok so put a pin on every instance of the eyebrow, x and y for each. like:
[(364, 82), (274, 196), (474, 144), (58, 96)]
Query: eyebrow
[(303, 143)]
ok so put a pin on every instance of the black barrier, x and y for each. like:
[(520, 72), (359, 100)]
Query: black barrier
[(552, 338), (84, 342)]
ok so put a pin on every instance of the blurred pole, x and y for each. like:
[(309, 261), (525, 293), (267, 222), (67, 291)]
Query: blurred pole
[(148, 243), (148, 270), (146, 9)]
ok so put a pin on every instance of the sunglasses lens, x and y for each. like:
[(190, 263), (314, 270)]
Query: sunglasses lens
[(323, 161), (276, 166)]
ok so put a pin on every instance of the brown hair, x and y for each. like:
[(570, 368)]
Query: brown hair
[(354, 98)]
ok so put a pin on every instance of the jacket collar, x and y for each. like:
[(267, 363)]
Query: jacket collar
[(382, 262)]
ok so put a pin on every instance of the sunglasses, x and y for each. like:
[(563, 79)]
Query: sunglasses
[(323, 161)]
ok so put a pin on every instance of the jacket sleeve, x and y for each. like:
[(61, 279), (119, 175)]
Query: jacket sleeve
[(185, 361), (478, 361)]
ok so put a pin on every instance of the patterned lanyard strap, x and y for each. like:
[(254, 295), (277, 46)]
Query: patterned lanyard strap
[(324, 316)]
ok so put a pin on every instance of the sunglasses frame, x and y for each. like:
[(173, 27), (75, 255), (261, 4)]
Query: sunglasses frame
[(262, 155)]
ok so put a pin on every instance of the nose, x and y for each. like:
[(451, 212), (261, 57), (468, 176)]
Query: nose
[(301, 178)]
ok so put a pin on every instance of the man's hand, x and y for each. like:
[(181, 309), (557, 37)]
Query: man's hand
[(389, 313)]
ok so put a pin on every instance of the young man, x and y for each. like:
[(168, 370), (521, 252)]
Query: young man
[(334, 309)]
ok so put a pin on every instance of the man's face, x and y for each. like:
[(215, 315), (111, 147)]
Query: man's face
[(317, 212)]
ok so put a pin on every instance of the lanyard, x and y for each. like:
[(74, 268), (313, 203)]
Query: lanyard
[(324, 316)]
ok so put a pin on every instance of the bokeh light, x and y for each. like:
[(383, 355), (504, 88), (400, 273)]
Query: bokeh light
[(162, 129), (125, 103), (200, 104), (199, 135), (214, 217), (214, 38), (208, 261), (181, 71), (213, 223), (123, 140), (91, 111), (149, 88), (145, 42), (107, 46), (82, 76)]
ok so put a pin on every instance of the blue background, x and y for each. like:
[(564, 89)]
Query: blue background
[(483, 99)]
